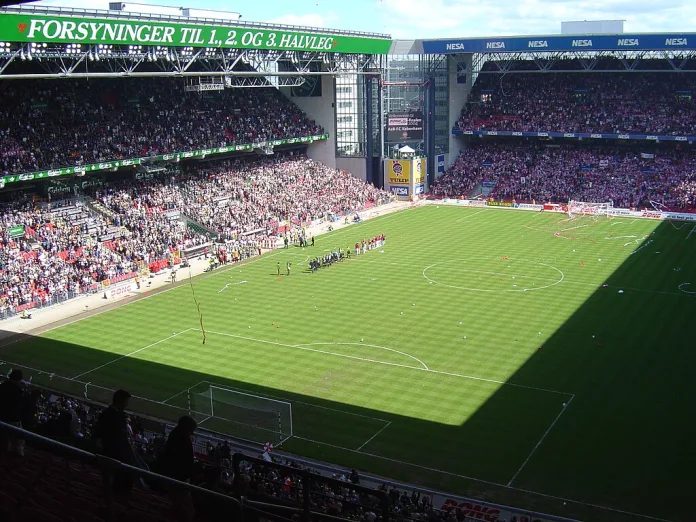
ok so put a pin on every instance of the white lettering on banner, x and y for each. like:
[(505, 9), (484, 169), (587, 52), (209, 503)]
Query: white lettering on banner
[(529, 206), (679, 216), (543, 134), (568, 135), (495, 45), (538, 43), (516, 133), (676, 41), (680, 138), (120, 290), (623, 136), (492, 133), (477, 203), (455, 47), (582, 43), (628, 42), (651, 138), (595, 136)]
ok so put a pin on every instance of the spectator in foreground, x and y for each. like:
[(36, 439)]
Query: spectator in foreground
[(11, 411), (176, 461), (111, 440)]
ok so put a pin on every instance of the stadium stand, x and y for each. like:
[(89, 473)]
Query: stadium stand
[(111, 230), (527, 171), (655, 103), (48, 481), (75, 123)]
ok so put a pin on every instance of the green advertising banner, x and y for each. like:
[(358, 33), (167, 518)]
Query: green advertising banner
[(16, 231), (64, 29), (116, 164)]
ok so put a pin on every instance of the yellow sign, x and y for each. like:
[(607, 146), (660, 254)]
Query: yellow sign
[(399, 172), (421, 168)]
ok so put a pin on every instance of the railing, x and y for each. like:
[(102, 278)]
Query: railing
[(107, 464), (41, 302), (295, 503)]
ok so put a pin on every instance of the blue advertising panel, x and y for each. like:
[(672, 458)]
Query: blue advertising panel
[(576, 135), (440, 162), (615, 42)]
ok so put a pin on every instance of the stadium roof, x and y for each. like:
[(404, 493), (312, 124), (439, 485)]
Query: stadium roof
[(560, 43)]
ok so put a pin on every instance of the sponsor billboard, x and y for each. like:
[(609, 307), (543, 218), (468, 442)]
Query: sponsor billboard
[(29, 27), (613, 42), (419, 189), (399, 191), (405, 126), (421, 166), (164, 157), (576, 135), (439, 164), (398, 172)]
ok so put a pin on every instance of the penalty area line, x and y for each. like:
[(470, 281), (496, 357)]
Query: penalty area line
[(131, 353), (375, 435), (478, 480), (541, 440)]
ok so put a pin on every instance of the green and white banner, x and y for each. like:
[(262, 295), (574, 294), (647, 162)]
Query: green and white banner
[(106, 165), (64, 29)]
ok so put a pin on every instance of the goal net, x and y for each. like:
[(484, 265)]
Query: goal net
[(584, 208), (240, 414)]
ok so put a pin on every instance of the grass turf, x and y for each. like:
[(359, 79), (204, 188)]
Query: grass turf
[(443, 359)]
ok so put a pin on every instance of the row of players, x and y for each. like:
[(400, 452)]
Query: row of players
[(339, 255)]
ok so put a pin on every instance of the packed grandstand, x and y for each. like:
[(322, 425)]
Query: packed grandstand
[(64, 238)]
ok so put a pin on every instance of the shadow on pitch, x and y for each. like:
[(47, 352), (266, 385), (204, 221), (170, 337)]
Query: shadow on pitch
[(623, 441)]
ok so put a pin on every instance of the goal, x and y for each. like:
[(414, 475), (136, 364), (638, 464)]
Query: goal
[(589, 209), (240, 414)]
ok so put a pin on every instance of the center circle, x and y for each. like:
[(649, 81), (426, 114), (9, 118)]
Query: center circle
[(493, 275)]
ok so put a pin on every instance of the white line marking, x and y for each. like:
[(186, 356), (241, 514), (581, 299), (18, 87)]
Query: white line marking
[(481, 481), (541, 440), (691, 232), (469, 215), (621, 237), (375, 435), (642, 246), (527, 289), (202, 276), (370, 346), (685, 291), (268, 396), (573, 228), (397, 365), (224, 288), (132, 353)]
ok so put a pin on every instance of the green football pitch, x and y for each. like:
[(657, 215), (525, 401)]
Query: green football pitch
[(517, 357)]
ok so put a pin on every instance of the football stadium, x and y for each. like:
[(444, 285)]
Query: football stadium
[(269, 272)]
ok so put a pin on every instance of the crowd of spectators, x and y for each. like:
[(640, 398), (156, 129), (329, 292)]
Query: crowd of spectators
[(46, 124), (67, 246), (645, 103), (113, 432), (558, 173)]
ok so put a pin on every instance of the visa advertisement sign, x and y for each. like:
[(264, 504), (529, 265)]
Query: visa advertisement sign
[(616, 42)]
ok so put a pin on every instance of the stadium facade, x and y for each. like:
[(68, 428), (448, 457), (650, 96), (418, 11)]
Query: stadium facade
[(349, 82)]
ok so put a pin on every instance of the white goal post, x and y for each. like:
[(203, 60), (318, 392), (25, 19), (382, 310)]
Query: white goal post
[(585, 208), (240, 414)]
